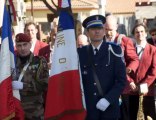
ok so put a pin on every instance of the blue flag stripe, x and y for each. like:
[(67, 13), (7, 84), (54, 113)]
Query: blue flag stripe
[(6, 29)]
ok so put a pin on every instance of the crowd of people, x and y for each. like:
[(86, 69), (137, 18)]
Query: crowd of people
[(116, 70)]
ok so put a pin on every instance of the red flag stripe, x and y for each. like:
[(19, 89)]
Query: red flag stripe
[(13, 13), (7, 103), (60, 3), (61, 84)]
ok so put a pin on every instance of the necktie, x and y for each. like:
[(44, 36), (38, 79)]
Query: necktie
[(140, 51), (96, 51)]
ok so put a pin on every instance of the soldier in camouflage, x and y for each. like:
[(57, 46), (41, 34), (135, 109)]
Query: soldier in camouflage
[(32, 78)]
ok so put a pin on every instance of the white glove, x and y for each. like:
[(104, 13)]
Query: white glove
[(102, 104), (143, 88), (17, 85)]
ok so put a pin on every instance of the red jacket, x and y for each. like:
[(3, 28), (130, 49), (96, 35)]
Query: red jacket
[(42, 49), (146, 72), (130, 55)]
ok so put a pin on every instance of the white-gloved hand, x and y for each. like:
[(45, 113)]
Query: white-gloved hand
[(17, 85), (102, 104), (144, 88)]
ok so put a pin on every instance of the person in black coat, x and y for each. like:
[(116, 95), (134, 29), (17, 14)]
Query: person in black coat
[(152, 40), (103, 61)]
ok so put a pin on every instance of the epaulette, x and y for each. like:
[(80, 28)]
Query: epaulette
[(112, 50), (112, 43), (41, 61), (39, 58), (83, 47), (35, 59)]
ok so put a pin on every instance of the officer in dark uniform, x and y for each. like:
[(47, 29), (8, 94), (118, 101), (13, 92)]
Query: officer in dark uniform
[(102, 61), (31, 80)]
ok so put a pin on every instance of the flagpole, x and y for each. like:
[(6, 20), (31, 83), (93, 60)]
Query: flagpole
[(1, 12)]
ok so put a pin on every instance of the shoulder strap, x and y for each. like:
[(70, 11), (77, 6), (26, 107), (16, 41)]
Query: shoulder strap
[(117, 55), (90, 61), (25, 68), (23, 71), (16, 92)]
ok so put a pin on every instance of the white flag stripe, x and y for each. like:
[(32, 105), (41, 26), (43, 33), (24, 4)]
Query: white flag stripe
[(67, 60), (65, 4), (5, 60)]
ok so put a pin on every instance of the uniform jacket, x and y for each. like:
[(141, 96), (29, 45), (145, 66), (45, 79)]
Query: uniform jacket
[(35, 82), (112, 77), (146, 72), (42, 49)]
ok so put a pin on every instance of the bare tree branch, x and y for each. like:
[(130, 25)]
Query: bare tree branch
[(54, 11), (54, 4)]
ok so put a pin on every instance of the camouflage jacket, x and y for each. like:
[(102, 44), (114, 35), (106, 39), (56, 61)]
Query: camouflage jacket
[(35, 81)]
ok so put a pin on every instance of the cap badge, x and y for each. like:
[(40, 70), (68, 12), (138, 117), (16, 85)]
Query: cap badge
[(97, 17)]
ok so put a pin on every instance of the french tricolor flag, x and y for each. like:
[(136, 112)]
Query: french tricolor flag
[(65, 99), (9, 104)]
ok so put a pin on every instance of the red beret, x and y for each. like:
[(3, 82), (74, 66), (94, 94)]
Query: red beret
[(21, 37)]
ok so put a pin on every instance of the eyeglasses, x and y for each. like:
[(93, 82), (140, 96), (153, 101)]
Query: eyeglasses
[(153, 34)]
